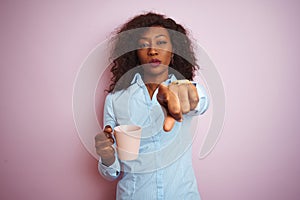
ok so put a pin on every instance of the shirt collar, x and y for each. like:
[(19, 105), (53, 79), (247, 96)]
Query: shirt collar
[(137, 79)]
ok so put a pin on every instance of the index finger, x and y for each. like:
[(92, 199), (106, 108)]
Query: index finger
[(170, 101), (174, 106), (171, 104)]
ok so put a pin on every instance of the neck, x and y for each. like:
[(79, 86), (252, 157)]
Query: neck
[(151, 87)]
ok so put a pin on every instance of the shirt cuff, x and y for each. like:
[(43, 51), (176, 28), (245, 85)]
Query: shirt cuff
[(110, 173)]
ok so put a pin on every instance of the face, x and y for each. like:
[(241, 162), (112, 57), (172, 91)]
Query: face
[(155, 53)]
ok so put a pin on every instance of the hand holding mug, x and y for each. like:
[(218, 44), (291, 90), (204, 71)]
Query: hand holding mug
[(104, 148)]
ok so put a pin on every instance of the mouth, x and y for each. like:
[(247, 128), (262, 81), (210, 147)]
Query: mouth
[(155, 62)]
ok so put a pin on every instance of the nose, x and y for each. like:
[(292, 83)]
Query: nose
[(152, 51)]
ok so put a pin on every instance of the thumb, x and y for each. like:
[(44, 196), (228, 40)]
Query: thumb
[(107, 129), (108, 133), (169, 123)]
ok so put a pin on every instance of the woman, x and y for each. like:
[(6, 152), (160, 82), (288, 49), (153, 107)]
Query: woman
[(153, 66)]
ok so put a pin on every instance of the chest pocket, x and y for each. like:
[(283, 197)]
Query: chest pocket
[(121, 108), (130, 107)]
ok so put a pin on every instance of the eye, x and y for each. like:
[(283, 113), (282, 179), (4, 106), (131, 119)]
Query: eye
[(161, 42), (143, 45)]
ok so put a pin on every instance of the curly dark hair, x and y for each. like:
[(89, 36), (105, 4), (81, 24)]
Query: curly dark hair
[(124, 59)]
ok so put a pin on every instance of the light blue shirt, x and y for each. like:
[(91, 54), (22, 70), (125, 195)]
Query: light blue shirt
[(163, 169)]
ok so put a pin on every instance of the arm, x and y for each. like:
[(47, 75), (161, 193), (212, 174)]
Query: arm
[(108, 165)]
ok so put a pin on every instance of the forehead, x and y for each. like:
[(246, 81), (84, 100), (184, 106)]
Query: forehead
[(155, 31)]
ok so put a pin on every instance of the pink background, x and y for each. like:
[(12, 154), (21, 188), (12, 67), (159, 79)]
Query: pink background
[(255, 46)]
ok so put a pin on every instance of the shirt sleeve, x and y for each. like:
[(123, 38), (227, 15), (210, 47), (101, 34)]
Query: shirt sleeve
[(203, 101), (108, 113)]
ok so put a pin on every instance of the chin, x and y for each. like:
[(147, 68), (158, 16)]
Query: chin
[(155, 71)]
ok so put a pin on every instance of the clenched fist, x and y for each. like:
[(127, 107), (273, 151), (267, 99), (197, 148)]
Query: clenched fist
[(104, 148), (178, 98)]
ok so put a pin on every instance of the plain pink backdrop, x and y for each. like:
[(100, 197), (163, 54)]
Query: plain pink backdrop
[(255, 46)]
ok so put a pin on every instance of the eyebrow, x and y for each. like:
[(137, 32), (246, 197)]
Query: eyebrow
[(160, 35)]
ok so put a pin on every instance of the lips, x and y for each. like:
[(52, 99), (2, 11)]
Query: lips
[(155, 62)]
